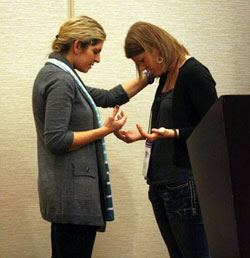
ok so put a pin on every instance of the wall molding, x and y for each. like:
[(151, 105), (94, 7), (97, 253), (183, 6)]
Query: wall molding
[(71, 9)]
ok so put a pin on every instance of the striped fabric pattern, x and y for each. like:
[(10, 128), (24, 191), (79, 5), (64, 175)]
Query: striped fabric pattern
[(108, 195)]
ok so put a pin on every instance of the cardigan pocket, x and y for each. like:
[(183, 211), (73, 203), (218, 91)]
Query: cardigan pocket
[(83, 170), (86, 188)]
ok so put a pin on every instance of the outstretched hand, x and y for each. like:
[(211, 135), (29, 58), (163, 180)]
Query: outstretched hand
[(155, 134), (149, 136), (133, 135), (128, 136)]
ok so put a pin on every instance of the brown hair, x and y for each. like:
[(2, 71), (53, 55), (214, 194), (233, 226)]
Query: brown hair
[(143, 36), (82, 28)]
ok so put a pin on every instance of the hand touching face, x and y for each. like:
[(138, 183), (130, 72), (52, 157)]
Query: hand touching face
[(148, 61)]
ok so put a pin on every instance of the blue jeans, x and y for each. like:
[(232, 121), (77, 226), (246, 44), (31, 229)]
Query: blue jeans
[(178, 216)]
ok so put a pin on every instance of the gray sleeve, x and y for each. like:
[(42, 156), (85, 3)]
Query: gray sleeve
[(108, 98), (59, 98)]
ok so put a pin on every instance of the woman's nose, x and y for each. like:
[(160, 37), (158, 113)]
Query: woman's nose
[(97, 59)]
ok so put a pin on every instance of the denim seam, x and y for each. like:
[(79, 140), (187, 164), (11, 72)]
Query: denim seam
[(193, 197), (176, 187)]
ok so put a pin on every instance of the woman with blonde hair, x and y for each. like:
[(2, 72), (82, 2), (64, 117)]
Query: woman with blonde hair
[(73, 183), (185, 93)]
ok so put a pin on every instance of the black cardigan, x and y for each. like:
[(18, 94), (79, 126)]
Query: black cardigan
[(194, 94)]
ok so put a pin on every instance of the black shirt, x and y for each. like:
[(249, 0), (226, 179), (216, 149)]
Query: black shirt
[(193, 95), (162, 153)]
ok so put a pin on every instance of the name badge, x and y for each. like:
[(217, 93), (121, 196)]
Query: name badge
[(148, 148)]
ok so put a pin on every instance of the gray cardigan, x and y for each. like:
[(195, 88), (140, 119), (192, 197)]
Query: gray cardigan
[(70, 184)]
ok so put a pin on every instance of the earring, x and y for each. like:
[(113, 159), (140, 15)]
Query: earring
[(159, 60)]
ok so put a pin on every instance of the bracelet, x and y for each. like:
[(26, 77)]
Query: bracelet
[(175, 133), (150, 78)]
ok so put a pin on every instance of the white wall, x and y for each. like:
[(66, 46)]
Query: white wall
[(215, 32)]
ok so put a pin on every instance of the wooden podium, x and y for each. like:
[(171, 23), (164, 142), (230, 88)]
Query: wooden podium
[(219, 150)]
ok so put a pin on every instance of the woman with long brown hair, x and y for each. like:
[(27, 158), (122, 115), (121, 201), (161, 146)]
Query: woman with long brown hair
[(185, 93)]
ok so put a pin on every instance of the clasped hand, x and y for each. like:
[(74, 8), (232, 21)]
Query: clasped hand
[(133, 135)]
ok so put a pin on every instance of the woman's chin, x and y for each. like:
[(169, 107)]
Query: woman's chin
[(156, 74)]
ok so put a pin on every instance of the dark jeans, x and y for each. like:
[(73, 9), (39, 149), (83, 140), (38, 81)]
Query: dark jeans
[(72, 241), (178, 215)]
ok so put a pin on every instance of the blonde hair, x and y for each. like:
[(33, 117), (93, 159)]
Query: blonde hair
[(82, 28), (143, 36)]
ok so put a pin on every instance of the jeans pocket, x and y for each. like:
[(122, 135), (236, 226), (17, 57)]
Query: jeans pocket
[(183, 196), (176, 186)]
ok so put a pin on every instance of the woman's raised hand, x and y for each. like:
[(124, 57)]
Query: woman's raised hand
[(112, 124)]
